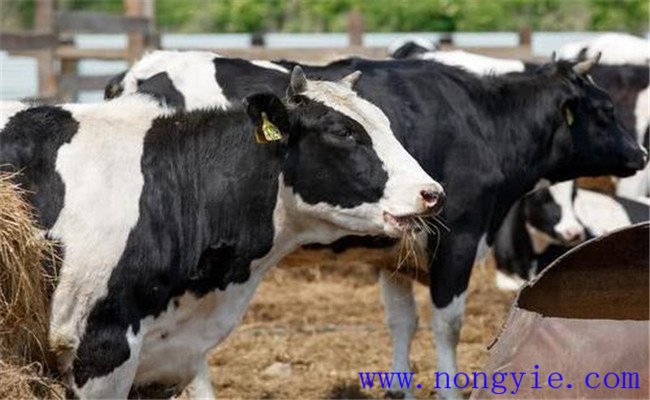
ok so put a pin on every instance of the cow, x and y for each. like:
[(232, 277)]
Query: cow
[(488, 141), (627, 84), (167, 221), (616, 48), (534, 233)]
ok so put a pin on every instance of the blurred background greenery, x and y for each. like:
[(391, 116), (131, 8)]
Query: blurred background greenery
[(208, 16)]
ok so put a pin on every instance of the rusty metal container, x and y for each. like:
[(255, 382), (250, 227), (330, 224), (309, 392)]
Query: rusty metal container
[(586, 318)]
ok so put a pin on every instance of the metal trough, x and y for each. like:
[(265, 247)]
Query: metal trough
[(586, 314)]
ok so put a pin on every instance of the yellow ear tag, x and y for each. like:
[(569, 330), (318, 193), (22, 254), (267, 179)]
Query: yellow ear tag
[(267, 132), (569, 116)]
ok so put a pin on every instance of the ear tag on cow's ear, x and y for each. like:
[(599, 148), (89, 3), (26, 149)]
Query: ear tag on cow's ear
[(568, 115), (267, 132)]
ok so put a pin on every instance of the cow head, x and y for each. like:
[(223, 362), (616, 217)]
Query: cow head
[(550, 212), (343, 165), (590, 139)]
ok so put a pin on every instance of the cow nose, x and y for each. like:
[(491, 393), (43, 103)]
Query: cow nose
[(573, 235), (433, 199)]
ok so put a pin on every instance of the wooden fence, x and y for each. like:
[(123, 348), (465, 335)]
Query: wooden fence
[(52, 44)]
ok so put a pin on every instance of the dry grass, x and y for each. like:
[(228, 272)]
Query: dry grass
[(327, 322), (23, 297)]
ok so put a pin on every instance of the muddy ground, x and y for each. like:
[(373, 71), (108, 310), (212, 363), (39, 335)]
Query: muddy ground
[(327, 323)]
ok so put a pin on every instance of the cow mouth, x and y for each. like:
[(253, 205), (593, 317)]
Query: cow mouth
[(408, 223)]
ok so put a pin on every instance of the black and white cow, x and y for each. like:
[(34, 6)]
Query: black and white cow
[(488, 140), (168, 221), (624, 74), (534, 233), (616, 49)]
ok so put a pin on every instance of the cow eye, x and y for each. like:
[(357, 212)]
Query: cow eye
[(343, 133)]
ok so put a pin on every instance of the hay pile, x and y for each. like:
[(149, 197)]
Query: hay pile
[(23, 299)]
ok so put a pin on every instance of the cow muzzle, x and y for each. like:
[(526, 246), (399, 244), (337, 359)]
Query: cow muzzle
[(430, 203)]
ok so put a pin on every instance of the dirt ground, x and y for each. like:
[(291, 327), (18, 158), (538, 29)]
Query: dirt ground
[(327, 324)]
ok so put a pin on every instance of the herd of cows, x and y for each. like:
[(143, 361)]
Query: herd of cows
[(171, 200)]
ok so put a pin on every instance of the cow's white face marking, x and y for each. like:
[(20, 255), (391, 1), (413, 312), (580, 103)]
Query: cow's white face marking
[(406, 179), (191, 72), (568, 228), (103, 183), (475, 63)]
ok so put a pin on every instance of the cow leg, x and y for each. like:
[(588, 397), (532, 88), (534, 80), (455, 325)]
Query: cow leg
[(449, 280), (402, 321), (201, 385), (117, 383)]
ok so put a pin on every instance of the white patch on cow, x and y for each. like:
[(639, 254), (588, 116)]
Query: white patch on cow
[(638, 185), (481, 249), (600, 213), (616, 49), (186, 333), (568, 228), (475, 63), (446, 323), (118, 382), (100, 168), (401, 195), (401, 318), (508, 283), (192, 73), (269, 65), (8, 109)]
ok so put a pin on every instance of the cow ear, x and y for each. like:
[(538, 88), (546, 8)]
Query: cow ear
[(115, 86), (583, 67), (269, 116), (297, 82), (351, 79)]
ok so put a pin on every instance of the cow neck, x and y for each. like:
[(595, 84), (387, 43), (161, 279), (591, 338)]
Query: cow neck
[(233, 183), (525, 117)]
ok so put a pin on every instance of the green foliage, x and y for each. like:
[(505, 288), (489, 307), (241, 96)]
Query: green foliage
[(379, 15)]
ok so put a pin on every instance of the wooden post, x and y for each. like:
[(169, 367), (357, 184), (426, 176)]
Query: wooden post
[(355, 28), (45, 22), (525, 40), (137, 40), (68, 68)]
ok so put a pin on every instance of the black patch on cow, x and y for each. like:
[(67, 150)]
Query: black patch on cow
[(409, 49), (329, 138), (239, 78), (162, 89), (29, 143), (206, 211)]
